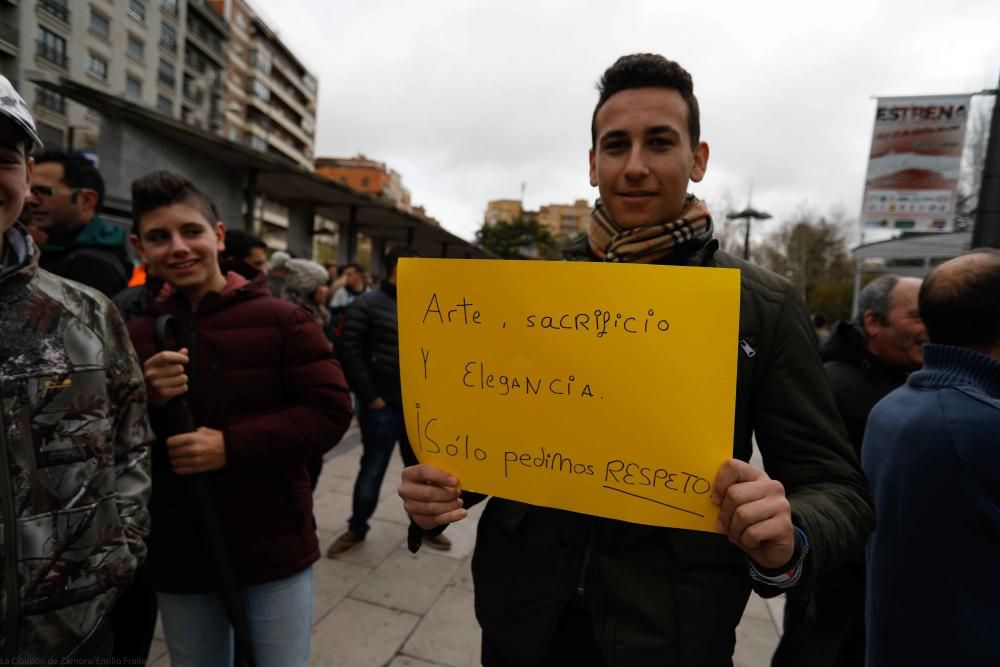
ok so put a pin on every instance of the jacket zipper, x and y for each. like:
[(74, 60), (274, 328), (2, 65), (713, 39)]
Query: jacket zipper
[(580, 587), (11, 625), (747, 348)]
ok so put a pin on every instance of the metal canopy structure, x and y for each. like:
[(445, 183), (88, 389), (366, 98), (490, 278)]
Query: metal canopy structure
[(281, 179), (910, 255)]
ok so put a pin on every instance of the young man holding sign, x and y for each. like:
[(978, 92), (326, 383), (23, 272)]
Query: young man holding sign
[(553, 585)]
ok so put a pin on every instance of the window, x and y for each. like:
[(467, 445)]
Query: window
[(99, 24), (167, 73), (98, 66), (168, 37), (257, 143), (169, 6), (133, 88), (50, 100), (137, 10), (135, 47), (164, 105), (364, 182), (51, 47), (241, 20)]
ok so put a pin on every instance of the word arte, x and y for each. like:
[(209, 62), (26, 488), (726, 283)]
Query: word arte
[(600, 322)]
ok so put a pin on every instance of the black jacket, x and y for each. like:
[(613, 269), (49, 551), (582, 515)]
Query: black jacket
[(859, 380), (670, 597), (369, 346), (96, 257)]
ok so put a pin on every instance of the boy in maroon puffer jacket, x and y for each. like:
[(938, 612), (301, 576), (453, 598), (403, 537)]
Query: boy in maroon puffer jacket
[(267, 395)]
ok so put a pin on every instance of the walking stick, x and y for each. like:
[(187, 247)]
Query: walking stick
[(180, 420)]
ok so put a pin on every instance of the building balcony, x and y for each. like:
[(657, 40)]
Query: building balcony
[(8, 39), (214, 52), (208, 14), (46, 53), (55, 9), (291, 73)]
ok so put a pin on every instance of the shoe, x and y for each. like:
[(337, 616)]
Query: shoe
[(439, 542), (344, 543)]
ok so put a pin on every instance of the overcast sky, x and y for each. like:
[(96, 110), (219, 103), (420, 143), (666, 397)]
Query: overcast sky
[(469, 99)]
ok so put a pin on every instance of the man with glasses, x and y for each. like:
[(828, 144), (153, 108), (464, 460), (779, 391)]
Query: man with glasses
[(66, 194)]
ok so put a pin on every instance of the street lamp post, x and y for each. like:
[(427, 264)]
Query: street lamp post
[(748, 214)]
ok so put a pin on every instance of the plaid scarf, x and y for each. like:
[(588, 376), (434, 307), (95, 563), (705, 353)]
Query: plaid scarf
[(645, 245)]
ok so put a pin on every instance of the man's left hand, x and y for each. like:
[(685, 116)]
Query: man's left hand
[(199, 451), (754, 513)]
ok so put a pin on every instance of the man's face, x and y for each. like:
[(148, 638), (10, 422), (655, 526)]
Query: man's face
[(354, 278), (15, 175), (56, 208), (899, 339), (643, 158), (181, 247), (258, 259)]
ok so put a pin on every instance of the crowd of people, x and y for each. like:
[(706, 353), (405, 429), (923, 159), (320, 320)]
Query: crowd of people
[(160, 444)]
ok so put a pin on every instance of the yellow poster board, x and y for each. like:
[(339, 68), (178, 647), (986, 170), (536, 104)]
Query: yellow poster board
[(605, 389)]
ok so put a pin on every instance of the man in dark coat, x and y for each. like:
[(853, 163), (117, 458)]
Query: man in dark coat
[(369, 350), (931, 454), (555, 587), (865, 360)]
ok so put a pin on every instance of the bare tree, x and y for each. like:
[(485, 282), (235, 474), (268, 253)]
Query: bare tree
[(977, 137)]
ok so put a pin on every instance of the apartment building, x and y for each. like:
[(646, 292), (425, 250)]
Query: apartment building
[(564, 221), (369, 176), (129, 48)]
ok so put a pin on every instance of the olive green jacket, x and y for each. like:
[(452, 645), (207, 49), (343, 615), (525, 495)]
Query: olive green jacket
[(671, 597)]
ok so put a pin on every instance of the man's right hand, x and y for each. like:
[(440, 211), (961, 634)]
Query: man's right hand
[(376, 403), (165, 377), (430, 496)]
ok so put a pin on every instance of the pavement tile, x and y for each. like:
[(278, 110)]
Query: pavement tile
[(776, 607), (157, 650), (409, 582), (332, 510), (333, 580), (358, 634), (448, 632), (407, 661), (757, 608), (756, 640), (463, 576), (343, 462), (383, 538), (390, 508)]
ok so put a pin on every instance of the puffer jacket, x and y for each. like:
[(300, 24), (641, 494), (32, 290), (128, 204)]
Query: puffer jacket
[(263, 374), (670, 597), (369, 346), (74, 461)]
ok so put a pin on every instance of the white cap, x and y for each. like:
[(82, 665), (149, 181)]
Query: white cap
[(12, 106)]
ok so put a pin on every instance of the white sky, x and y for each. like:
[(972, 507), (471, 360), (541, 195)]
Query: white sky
[(468, 99)]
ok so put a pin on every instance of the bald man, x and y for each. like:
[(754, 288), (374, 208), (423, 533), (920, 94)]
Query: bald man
[(932, 455)]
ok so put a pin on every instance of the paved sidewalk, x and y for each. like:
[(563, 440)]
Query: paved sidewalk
[(381, 605)]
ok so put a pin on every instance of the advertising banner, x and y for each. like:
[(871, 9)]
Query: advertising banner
[(914, 163)]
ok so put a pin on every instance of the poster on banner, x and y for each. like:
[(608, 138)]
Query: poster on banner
[(913, 166), (605, 389)]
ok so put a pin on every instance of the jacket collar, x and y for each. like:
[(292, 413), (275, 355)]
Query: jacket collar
[(950, 366), (237, 289), (20, 254)]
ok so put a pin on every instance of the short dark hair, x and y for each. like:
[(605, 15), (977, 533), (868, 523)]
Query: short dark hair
[(877, 297), (341, 270), (648, 70), (164, 188), (962, 308), (391, 258), (78, 171), (239, 244)]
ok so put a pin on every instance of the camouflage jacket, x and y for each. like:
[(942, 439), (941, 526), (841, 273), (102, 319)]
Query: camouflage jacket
[(74, 457)]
